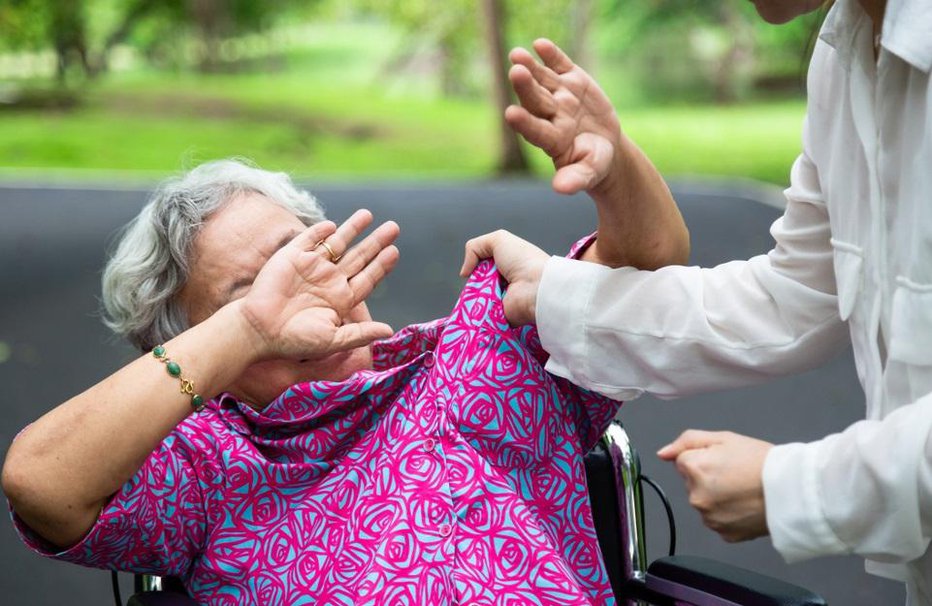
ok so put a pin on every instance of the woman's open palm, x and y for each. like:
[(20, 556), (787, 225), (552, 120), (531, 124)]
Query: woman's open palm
[(565, 113), (301, 298)]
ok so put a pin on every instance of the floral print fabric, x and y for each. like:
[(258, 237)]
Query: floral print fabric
[(451, 473)]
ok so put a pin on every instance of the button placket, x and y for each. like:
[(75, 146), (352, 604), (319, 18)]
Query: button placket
[(442, 415)]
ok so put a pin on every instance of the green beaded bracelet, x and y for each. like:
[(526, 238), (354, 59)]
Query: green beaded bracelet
[(187, 386)]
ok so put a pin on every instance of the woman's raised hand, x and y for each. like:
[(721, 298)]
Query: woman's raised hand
[(565, 113), (300, 302)]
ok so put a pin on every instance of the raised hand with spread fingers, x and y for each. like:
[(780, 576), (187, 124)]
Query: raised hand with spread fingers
[(564, 112)]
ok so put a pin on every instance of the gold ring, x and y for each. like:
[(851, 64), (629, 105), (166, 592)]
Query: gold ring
[(333, 256)]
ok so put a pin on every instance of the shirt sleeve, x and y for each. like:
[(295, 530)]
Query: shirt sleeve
[(155, 524), (683, 330), (592, 411), (866, 490)]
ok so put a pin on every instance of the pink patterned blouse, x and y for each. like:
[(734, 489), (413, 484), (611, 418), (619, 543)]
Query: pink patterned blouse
[(450, 474)]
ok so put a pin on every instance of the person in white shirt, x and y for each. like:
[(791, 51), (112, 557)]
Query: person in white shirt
[(852, 260)]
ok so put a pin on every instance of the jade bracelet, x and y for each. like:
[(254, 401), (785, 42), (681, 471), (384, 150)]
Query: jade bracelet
[(187, 386)]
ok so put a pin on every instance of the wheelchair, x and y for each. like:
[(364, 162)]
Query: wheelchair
[(613, 473)]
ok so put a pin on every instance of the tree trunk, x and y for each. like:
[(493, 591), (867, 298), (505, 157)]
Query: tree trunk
[(212, 20), (138, 10), (512, 158), (733, 65), (68, 33)]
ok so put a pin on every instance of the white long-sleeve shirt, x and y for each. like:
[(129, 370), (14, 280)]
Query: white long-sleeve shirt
[(852, 260)]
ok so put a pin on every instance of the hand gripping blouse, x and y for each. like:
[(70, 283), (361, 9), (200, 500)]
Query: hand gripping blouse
[(450, 474)]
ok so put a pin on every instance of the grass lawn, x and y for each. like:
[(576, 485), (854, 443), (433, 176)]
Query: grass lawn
[(328, 111)]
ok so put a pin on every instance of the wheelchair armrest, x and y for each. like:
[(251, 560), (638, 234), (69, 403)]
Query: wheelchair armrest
[(711, 583), (160, 598)]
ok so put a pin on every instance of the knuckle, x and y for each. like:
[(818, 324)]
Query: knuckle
[(684, 466), (689, 434), (699, 502)]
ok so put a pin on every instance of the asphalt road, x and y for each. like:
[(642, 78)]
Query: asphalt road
[(52, 344)]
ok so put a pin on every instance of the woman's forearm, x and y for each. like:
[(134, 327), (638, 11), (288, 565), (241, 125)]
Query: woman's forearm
[(640, 224), (60, 472)]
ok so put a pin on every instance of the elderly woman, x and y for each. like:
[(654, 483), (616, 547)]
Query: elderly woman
[(275, 445)]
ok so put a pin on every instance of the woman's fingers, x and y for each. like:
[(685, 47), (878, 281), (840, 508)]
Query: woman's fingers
[(538, 132), (520, 264), (691, 439), (544, 76), (364, 282), (477, 249), (359, 334), (341, 238), (357, 257), (534, 97), (553, 56), (487, 246), (572, 179), (586, 163), (313, 234)]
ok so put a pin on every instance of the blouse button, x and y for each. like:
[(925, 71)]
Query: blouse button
[(445, 530), (429, 360), (429, 444)]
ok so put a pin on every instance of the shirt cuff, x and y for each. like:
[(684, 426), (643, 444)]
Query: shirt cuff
[(798, 527), (563, 299), (37, 544)]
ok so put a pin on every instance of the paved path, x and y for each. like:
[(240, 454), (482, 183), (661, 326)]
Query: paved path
[(52, 344)]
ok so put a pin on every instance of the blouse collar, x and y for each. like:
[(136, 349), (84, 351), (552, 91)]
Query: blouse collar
[(907, 30)]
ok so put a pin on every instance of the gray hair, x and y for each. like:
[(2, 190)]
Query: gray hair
[(149, 265)]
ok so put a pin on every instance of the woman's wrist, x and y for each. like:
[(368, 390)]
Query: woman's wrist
[(639, 222), (612, 188), (249, 342)]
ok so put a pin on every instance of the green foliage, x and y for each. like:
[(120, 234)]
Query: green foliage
[(531, 19), (446, 34), (704, 51), (23, 24), (449, 35), (358, 94), (326, 115), (86, 31)]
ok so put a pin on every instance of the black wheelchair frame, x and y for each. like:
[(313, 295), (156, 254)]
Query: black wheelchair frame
[(613, 473)]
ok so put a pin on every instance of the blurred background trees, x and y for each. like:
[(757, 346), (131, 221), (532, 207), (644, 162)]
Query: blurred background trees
[(83, 33), (367, 86), (707, 51)]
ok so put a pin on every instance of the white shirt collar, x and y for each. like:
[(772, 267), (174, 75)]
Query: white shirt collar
[(907, 30)]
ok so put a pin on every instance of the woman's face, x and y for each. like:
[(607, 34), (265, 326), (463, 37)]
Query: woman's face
[(781, 11), (231, 248)]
